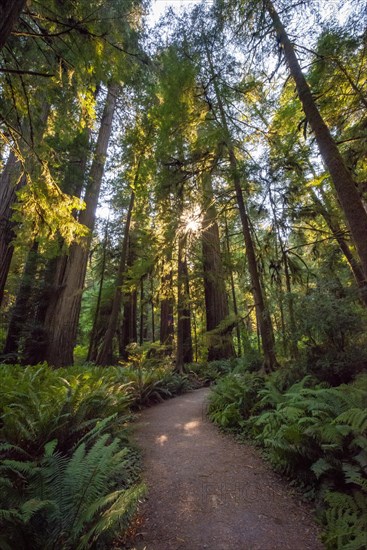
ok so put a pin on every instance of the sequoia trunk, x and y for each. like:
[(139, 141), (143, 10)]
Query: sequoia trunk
[(21, 306), (8, 190), (9, 15), (166, 331), (105, 355), (265, 326), (63, 313), (220, 344), (184, 352)]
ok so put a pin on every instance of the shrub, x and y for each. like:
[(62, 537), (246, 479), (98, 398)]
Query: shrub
[(148, 386), (233, 399), (314, 433), (318, 436), (332, 331), (251, 361), (66, 479)]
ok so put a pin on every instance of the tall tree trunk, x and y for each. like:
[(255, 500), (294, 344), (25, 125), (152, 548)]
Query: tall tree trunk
[(8, 190), (128, 329), (10, 11), (263, 317), (233, 290), (344, 184), (92, 350), (196, 343), (292, 317), (12, 181), (19, 311), (166, 329), (151, 279), (63, 313), (264, 323), (48, 294), (220, 344), (143, 316), (35, 340), (293, 344), (184, 353), (105, 354)]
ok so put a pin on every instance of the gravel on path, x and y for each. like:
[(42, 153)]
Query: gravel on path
[(205, 490)]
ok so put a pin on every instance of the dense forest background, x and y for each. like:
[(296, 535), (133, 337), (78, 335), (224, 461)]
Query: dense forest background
[(188, 191)]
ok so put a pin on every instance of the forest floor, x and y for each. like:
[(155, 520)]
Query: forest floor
[(205, 490)]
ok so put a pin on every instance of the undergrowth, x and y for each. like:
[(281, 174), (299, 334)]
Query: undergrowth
[(69, 478), (313, 433)]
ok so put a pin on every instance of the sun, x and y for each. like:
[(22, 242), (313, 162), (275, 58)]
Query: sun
[(192, 226), (191, 220)]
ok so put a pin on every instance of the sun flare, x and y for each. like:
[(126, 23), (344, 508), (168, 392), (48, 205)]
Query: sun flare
[(191, 220)]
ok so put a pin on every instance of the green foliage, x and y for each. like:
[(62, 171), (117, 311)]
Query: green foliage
[(233, 398), (74, 498), (312, 433), (208, 372), (148, 386), (346, 520), (251, 360), (332, 328), (67, 475), (150, 376), (66, 404)]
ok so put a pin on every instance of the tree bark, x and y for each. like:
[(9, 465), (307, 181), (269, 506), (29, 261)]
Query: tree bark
[(12, 180), (233, 290), (184, 353), (9, 15), (21, 306), (128, 329), (8, 189), (35, 341), (220, 344), (92, 350), (48, 294), (166, 329), (63, 313), (105, 354), (344, 184), (151, 279), (263, 316), (293, 344), (143, 316)]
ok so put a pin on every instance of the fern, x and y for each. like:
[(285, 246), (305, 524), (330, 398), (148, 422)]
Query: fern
[(316, 435), (71, 496), (355, 417), (65, 477), (347, 521)]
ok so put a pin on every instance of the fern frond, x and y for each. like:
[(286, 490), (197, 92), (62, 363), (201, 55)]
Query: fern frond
[(356, 418)]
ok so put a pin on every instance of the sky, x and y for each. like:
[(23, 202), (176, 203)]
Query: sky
[(158, 7)]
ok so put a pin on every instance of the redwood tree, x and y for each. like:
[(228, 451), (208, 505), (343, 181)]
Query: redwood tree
[(345, 186), (184, 352), (61, 321), (8, 188), (220, 344), (9, 15)]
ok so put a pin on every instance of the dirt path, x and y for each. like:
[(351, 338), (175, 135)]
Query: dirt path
[(207, 491)]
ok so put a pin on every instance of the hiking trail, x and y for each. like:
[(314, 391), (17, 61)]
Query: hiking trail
[(205, 490)]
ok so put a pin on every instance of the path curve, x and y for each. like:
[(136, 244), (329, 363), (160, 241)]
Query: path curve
[(205, 490)]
